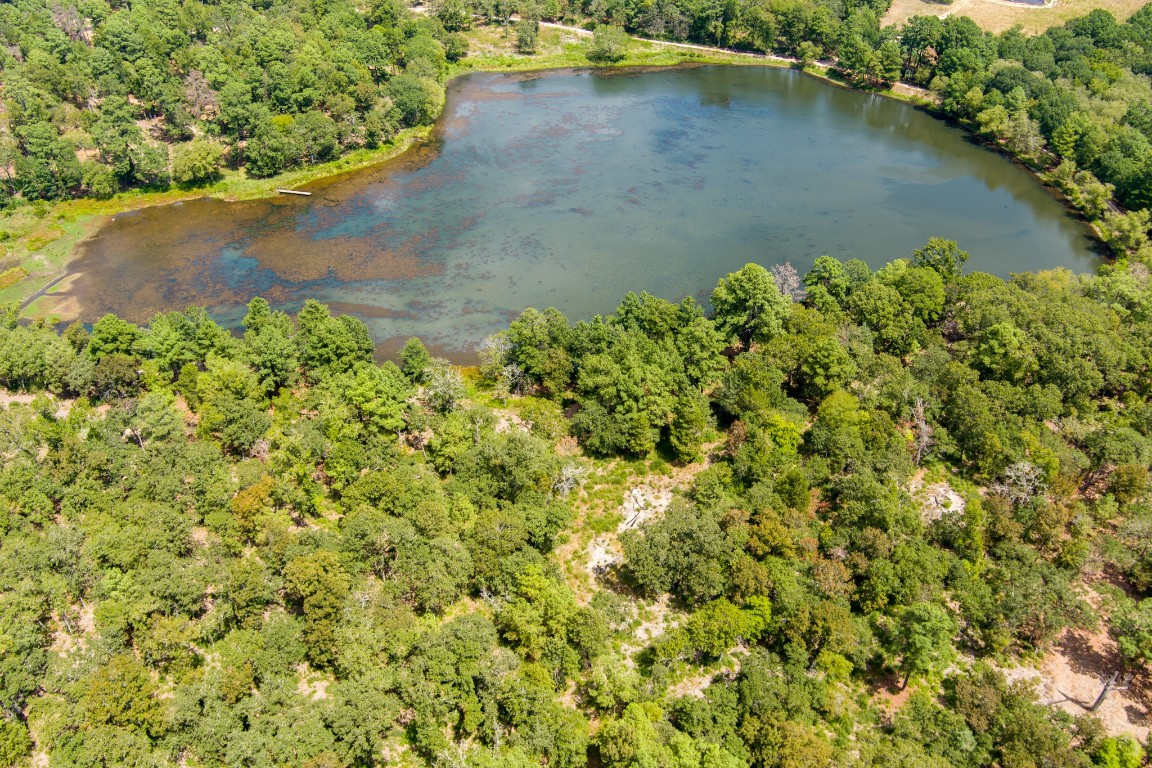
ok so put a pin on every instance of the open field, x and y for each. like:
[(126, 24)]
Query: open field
[(999, 15), (492, 48)]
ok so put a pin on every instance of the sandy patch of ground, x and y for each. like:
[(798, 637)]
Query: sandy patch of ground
[(8, 398), (603, 552), (642, 502), (507, 420), (658, 622), (886, 692), (999, 15), (658, 618), (309, 685), (936, 499), (72, 629), (63, 408), (693, 686), (1073, 674), (646, 499)]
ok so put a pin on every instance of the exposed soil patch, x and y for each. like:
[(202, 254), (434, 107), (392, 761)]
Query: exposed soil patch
[(999, 15), (63, 408), (938, 500), (1073, 674), (887, 694)]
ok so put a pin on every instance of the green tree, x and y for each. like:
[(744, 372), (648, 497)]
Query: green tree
[(942, 255), (1131, 627), (632, 740), (417, 99), (689, 421), (415, 360), (824, 367), (717, 627), (232, 407), (269, 346), (527, 34), (921, 288), (273, 147), (378, 396), (122, 693), (748, 306), (317, 136), (1118, 752), (684, 553), (318, 583), (15, 743), (331, 345), (883, 310), (924, 635), (455, 15), (889, 61), (47, 167)]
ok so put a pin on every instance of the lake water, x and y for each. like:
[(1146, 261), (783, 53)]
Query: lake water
[(570, 189)]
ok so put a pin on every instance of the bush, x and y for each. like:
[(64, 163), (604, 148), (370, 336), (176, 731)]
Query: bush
[(527, 34), (197, 162), (609, 43)]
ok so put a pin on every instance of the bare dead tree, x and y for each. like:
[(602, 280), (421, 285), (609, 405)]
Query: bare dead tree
[(69, 21), (1021, 483), (1113, 683), (923, 431), (788, 280), (1110, 685), (511, 381), (570, 478), (200, 96)]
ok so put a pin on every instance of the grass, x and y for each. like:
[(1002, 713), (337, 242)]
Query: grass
[(493, 50), (12, 276)]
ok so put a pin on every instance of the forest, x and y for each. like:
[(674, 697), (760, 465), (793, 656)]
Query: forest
[(106, 96), (268, 549)]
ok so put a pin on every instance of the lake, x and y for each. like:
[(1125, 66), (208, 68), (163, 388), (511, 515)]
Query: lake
[(569, 189)]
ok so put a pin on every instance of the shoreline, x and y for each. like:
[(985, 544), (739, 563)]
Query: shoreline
[(69, 223)]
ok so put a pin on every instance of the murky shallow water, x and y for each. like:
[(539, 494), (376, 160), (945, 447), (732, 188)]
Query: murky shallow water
[(570, 189)]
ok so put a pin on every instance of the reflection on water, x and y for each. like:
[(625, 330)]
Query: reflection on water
[(570, 189)]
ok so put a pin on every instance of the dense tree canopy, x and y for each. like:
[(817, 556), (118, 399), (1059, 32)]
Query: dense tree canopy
[(270, 549), (105, 96)]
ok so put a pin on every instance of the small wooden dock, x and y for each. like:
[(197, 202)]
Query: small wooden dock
[(294, 192)]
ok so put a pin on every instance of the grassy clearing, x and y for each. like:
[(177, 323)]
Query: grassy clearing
[(493, 49), (999, 15)]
